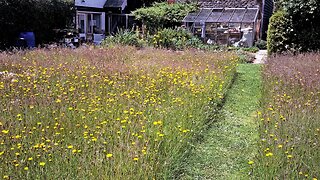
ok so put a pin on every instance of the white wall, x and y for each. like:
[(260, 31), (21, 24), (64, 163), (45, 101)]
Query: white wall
[(90, 3)]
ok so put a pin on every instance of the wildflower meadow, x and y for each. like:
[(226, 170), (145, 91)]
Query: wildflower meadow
[(123, 113), (289, 121)]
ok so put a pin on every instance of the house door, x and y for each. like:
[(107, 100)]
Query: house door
[(82, 25)]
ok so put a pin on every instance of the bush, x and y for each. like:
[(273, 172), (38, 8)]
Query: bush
[(305, 22), (162, 15), (279, 33), (176, 39), (124, 37), (301, 19), (39, 16), (251, 49), (261, 44)]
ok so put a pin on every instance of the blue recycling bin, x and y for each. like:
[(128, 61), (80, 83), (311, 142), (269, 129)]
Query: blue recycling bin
[(29, 39)]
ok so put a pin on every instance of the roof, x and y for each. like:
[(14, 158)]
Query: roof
[(228, 3), (90, 3), (223, 15), (116, 4)]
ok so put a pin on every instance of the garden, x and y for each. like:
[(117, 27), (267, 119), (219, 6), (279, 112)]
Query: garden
[(289, 119), (163, 105), (104, 114)]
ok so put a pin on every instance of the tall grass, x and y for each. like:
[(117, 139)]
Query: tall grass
[(116, 113), (290, 119)]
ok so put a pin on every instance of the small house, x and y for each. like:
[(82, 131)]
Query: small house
[(231, 21), (97, 18)]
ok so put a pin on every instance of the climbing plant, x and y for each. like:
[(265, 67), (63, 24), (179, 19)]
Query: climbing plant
[(161, 15)]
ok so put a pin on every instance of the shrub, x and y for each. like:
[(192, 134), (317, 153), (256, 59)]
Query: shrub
[(124, 37), (39, 16), (176, 39), (279, 33), (305, 22), (302, 20), (251, 49), (162, 15), (261, 44)]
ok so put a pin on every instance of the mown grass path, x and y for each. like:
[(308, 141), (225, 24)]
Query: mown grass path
[(230, 142)]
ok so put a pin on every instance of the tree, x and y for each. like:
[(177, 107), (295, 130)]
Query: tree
[(304, 15), (39, 16), (162, 15)]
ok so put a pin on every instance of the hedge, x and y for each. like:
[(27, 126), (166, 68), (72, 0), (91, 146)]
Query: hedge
[(279, 33), (296, 27)]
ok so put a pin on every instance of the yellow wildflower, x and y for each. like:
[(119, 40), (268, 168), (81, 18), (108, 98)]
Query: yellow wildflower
[(109, 155), (269, 154)]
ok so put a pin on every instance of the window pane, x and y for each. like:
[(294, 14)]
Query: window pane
[(97, 23), (81, 23)]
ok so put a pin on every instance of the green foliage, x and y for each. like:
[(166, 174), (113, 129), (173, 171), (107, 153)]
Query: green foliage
[(305, 22), (171, 38), (39, 16), (177, 39), (304, 25), (251, 49), (279, 33), (162, 15), (174, 39), (261, 44), (123, 37), (168, 38)]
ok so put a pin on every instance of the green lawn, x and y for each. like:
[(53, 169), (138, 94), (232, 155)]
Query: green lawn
[(230, 142)]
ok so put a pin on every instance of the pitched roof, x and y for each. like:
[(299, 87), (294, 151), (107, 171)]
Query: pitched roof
[(228, 3), (116, 4), (225, 15)]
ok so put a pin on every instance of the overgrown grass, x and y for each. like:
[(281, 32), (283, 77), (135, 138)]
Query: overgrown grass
[(289, 121), (115, 113), (230, 142)]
